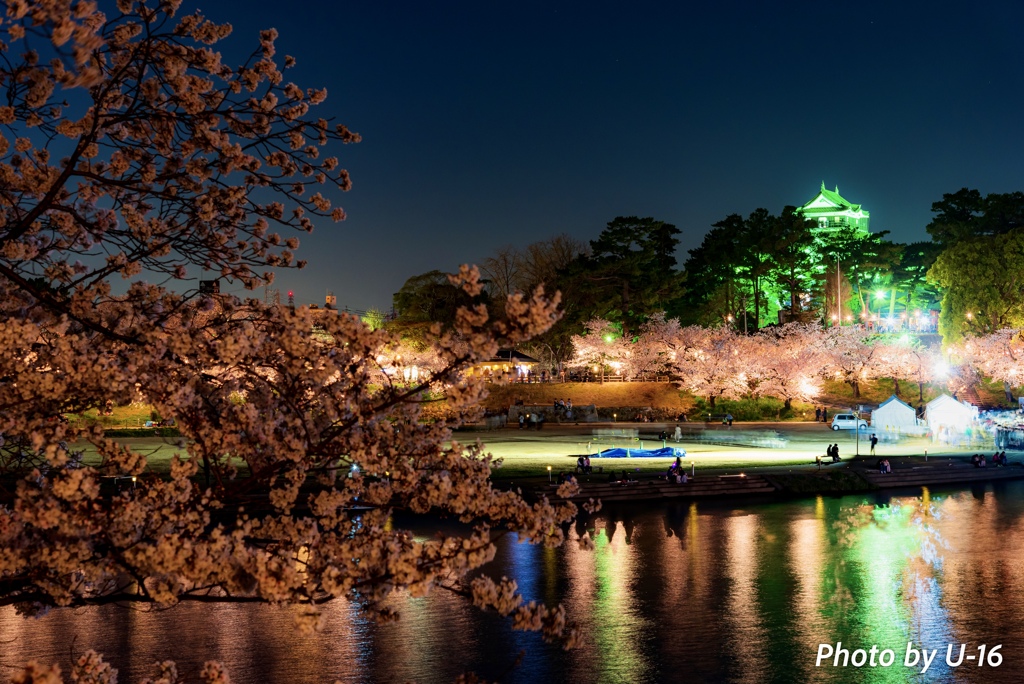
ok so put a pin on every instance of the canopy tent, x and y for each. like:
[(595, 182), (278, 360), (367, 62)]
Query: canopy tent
[(894, 416), (946, 412)]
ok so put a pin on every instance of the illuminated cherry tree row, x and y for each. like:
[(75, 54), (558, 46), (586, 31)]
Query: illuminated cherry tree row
[(790, 362)]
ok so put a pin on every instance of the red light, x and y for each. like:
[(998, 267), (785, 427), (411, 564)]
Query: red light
[(290, 293)]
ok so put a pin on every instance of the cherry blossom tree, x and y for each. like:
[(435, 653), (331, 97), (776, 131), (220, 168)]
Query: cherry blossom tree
[(848, 355), (792, 361), (753, 365), (896, 360), (158, 159), (707, 362), (600, 346), (647, 354), (925, 366), (998, 355)]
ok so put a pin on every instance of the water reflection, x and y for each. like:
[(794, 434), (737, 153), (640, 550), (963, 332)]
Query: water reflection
[(677, 593)]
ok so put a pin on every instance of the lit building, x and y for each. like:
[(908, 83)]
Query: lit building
[(830, 212), (506, 362)]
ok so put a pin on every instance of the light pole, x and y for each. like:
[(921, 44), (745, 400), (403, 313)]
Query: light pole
[(839, 294), (856, 426)]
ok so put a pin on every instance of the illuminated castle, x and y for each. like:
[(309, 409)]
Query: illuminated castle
[(830, 212)]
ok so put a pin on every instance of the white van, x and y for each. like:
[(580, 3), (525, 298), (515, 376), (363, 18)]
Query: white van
[(847, 421)]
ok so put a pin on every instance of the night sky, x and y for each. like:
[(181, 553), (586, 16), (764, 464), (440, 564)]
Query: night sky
[(486, 124)]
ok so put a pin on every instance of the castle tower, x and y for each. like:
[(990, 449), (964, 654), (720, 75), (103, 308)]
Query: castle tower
[(831, 212)]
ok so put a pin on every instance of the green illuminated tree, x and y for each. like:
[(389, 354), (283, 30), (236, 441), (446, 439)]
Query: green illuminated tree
[(756, 248), (982, 280), (909, 276), (792, 257), (862, 258)]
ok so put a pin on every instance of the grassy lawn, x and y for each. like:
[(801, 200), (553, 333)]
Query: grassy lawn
[(157, 450), (527, 454), (133, 416), (520, 466)]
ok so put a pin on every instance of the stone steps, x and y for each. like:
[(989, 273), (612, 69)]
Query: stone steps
[(935, 476), (650, 490)]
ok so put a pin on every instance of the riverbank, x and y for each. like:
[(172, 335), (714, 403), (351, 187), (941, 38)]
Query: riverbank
[(849, 478)]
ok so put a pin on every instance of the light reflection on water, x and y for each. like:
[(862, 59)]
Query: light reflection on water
[(675, 593)]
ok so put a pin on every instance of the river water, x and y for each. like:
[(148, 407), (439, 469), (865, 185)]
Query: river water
[(673, 593)]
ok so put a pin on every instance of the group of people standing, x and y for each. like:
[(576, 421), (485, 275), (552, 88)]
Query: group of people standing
[(536, 421), (820, 414)]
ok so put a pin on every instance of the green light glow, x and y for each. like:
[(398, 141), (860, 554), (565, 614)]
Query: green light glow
[(880, 294), (831, 212), (615, 616)]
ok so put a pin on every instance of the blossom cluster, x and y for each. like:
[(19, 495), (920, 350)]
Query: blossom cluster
[(296, 447)]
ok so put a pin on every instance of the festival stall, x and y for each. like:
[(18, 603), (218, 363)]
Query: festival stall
[(950, 420), (894, 417)]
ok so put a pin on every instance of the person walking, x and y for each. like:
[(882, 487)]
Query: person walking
[(874, 442)]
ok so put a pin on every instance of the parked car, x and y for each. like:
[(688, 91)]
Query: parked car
[(847, 421)]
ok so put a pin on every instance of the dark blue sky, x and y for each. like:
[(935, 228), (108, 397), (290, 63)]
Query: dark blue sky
[(487, 124)]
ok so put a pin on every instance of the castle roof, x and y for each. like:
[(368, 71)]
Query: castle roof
[(830, 202)]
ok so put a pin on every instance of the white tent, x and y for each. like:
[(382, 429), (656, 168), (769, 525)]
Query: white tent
[(894, 416), (946, 412)]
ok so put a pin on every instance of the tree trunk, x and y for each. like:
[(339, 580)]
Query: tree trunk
[(792, 294), (757, 302), (788, 404), (860, 291), (711, 400), (855, 386), (896, 387), (920, 392), (1007, 390)]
